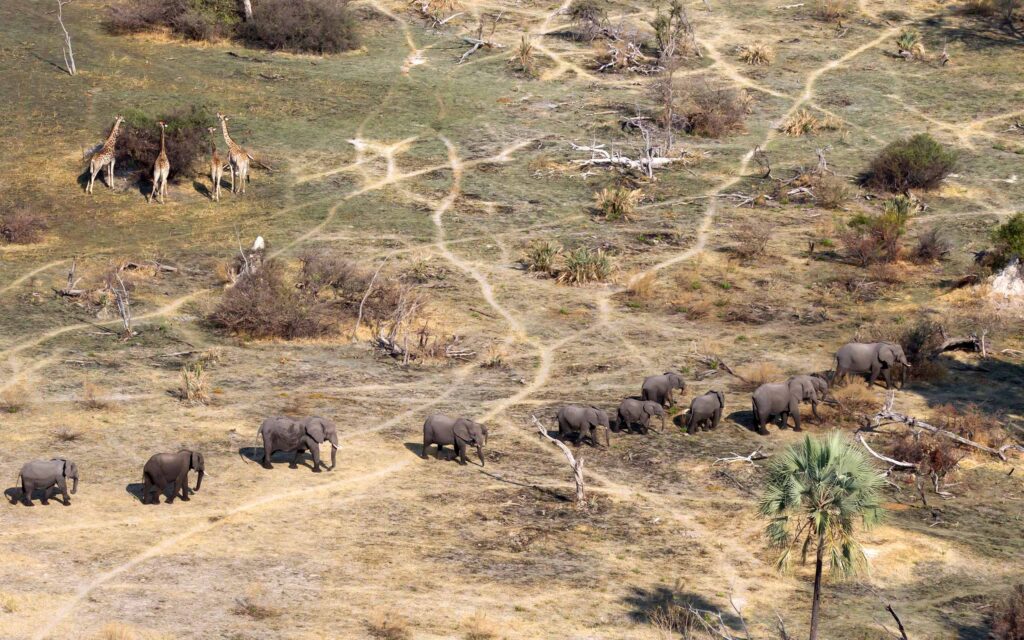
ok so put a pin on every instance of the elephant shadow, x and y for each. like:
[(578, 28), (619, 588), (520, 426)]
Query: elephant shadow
[(135, 489), (745, 418), (14, 496), (255, 454), (448, 454), (648, 605)]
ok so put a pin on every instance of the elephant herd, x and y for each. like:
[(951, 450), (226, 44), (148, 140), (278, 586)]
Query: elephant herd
[(576, 423)]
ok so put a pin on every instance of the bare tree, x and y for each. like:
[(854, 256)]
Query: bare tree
[(247, 10), (576, 465), (69, 54)]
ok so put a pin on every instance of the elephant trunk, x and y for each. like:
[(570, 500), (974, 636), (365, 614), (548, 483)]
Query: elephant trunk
[(480, 453), (663, 421), (199, 479), (334, 454), (74, 485)]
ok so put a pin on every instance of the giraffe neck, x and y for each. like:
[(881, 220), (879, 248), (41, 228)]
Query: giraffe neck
[(163, 148), (227, 139), (112, 137)]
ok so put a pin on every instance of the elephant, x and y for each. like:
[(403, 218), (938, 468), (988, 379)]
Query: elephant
[(281, 433), (638, 412), (164, 468), (705, 411), (659, 388), (48, 475), (813, 389), (583, 422), (871, 358), (459, 432), (777, 399)]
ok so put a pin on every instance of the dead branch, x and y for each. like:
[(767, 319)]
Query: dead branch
[(782, 627), (899, 623), (576, 465), (157, 266), (756, 454), (892, 461), (69, 54), (123, 305), (69, 289), (362, 303), (599, 156)]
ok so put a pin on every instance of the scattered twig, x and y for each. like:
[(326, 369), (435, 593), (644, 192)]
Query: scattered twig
[(886, 413), (756, 454)]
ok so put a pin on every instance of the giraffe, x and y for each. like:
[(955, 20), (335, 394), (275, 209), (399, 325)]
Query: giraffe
[(161, 168), (216, 166), (105, 157), (238, 158)]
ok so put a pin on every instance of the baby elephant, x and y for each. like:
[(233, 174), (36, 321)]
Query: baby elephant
[(577, 422), (48, 475), (459, 432), (639, 412), (705, 411), (659, 388), (164, 468)]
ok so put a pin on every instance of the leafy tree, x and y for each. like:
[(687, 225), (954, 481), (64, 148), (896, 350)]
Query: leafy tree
[(815, 492), (1009, 237)]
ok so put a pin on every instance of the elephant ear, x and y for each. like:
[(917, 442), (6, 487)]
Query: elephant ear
[(314, 428), (195, 460), (462, 431), (721, 398), (886, 353)]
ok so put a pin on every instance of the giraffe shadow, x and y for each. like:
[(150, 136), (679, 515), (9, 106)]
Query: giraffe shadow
[(202, 189)]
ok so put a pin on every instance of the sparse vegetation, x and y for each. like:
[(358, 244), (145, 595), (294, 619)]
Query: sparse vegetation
[(617, 203), (909, 44), (22, 225), (64, 434), (16, 396), (93, 396), (752, 238), (831, 191), (833, 10), (525, 61), (758, 373), (712, 111), (541, 257), (194, 387), (804, 122), (870, 239), (919, 162), (1008, 620), (190, 19), (644, 287), (479, 627), (674, 35), (757, 54), (388, 625)]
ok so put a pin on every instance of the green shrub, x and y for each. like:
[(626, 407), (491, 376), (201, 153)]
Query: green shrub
[(191, 19), (541, 256), (1009, 238), (869, 239), (187, 141), (919, 162), (617, 203)]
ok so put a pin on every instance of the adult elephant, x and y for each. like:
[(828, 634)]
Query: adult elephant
[(871, 358), (442, 430), (281, 433), (166, 468), (813, 389), (49, 476), (705, 411), (580, 422), (659, 388), (780, 399), (638, 412)]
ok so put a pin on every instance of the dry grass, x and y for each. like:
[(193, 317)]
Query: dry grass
[(833, 10), (388, 625), (617, 203), (644, 287), (803, 122), (584, 265), (8, 602), (524, 59), (93, 396), (194, 385), (757, 54), (758, 373), (17, 396), (972, 423), (479, 627), (23, 225), (251, 608), (541, 256), (494, 357), (65, 434)]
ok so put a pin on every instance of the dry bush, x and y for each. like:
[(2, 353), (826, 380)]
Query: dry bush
[(643, 288), (752, 237), (479, 627), (973, 424), (250, 608), (205, 20), (934, 456), (693, 305), (758, 373), (388, 625), (17, 396), (712, 111), (93, 396), (804, 122), (187, 141), (310, 26), (583, 265), (65, 435), (910, 45), (932, 246), (494, 357), (22, 225), (674, 35), (833, 10), (116, 631), (854, 399), (524, 59), (589, 18), (617, 203), (757, 54), (542, 255), (624, 54), (1008, 620), (831, 192), (992, 8), (194, 385), (8, 602), (919, 162)]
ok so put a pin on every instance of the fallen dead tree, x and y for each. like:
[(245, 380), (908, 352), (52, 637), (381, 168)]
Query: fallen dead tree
[(575, 464), (646, 164)]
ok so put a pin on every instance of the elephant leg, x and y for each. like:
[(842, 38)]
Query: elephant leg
[(295, 459), (440, 447), (461, 446), (716, 418), (63, 485), (423, 453), (795, 410), (888, 377), (814, 410), (315, 452), (875, 370), (26, 493), (183, 485)]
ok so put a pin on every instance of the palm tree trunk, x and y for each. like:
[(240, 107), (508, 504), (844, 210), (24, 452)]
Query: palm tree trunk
[(816, 602)]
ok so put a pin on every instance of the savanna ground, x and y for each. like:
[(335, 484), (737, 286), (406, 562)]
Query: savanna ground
[(450, 171)]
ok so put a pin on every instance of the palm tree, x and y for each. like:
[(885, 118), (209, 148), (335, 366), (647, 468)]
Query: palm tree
[(814, 494)]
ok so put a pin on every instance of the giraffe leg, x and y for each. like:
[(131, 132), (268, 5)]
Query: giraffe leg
[(110, 174), (232, 169)]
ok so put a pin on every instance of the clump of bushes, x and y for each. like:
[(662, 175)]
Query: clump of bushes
[(932, 246), (187, 141), (316, 26), (589, 17), (919, 162), (617, 203), (583, 265), (830, 191), (541, 256), (712, 111), (1009, 241), (870, 239), (804, 122), (832, 10), (22, 225), (757, 54), (313, 26), (752, 237)]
